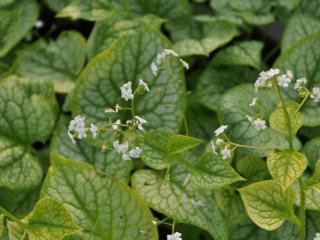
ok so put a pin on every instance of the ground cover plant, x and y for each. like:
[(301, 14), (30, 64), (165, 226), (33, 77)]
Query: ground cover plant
[(175, 119)]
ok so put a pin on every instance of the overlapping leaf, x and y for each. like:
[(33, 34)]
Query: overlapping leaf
[(27, 117), (312, 151), (58, 61), (16, 19), (180, 204), (129, 59), (267, 204), (103, 208)]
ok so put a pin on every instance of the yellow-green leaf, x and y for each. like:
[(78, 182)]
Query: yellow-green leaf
[(278, 120), (1, 224), (49, 220), (286, 166), (267, 204)]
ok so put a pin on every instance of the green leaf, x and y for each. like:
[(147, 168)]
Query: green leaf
[(299, 26), (98, 10), (302, 59), (233, 108), (267, 204), (28, 117), (110, 162), (162, 107), (16, 20), (314, 181), (252, 168), (56, 5), (106, 32), (278, 120), (247, 230), (1, 224), (103, 208), (19, 169), (180, 143), (247, 53), (16, 231), (214, 81), (286, 166), (250, 5), (312, 151), (50, 220), (154, 154), (230, 203), (177, 202), (59, 61), (289, 231), (212, 172), (216, 34), (311, 7)]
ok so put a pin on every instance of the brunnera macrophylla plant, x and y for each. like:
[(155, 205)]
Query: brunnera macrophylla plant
[(106, 133)]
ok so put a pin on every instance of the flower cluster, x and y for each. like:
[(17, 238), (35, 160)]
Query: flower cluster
[(265, 79), (161, 57), (317, 237), (123, 149), (174, 236), (220, 145), (77, 129)]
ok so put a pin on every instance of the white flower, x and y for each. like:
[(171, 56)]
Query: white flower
[(259, 124), (185, 64), (154, 69), (170, 52), (226, 153), (289, 74), (284, 80), (315, 94), (253, 102), (154, 222), (220, 130), (219, 142), (186, 180), (174, 236), (140, 121), (120, 148), (129, 122), (197, 203), (300, 83), (125, 157), (264, 77), (272, 72), (93, 130), (144, 85), (115, 125), (135, 152), (109, 110), (317, 237), (126, 91), (213, 147), (77, 125), (39, 24)]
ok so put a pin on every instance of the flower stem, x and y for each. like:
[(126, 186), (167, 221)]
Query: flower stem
[(302, 102), (302, 210), (250, 146), (287, 116), (12, 217)]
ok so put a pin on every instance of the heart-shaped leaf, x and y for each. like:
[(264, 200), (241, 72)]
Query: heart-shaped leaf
[(59, 61), (103, 208), (267, 204), (246, 53), (28, 116), (197, 208), (299, 26), (16, 19), (286, 166), (98, 86)]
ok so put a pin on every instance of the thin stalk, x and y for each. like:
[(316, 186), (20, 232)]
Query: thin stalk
[(288, 120), (12, 217), (186, 126), (249, 146), (303, 101), (302, 210)]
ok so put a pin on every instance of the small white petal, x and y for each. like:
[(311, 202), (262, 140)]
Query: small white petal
[(174, 236), (259, 124), (220, 130), (109, 110), (144, 85), (39, 24), (226, 153), (253, 102), (94, 130), (126, 91), (185, 64), (135, 153)]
